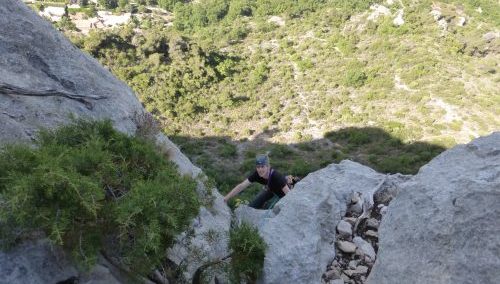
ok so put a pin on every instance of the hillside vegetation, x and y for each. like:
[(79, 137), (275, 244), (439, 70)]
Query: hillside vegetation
[(312, 81)]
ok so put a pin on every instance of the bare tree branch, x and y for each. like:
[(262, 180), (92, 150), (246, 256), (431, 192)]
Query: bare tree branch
[(9, 89)]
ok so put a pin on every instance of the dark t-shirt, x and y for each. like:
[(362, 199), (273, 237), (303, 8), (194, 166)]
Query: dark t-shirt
[(276, 183)]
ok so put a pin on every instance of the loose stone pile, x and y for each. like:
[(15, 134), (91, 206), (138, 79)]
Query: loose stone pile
[(357, 242)]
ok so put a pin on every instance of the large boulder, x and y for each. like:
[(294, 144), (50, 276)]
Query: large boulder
[(444, 225), (300, 230), (33, 263), (40, 262), (45, 80)]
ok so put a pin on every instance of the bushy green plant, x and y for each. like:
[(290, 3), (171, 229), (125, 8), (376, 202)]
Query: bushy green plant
[(227, 150), (346, 45), (248, 252), (65, 24), (85, 184), (169, 4), (195, 15), (108, 4), (355, 75), (353, 5), (259, 74), (240, 8), (91, 11)]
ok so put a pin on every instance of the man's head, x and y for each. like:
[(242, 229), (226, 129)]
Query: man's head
[(262, 165)]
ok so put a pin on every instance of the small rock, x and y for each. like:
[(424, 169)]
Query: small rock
[(355, 197), (346, 246), (359, 253), (344, 228), (371, 233), (398, 20), (276, 20), (350, 220), (361, 270), (383, 210), (353, 264), (443, 24), (436, 14), (349, 272), (378, 11), (372, 223), (332, 274), (461, 21), (356, 208), (368, 260), (345, 277), (489, 36), (365, 247)]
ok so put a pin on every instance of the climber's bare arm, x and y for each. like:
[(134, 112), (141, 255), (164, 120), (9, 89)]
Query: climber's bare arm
[(285, 189), (237, 189)]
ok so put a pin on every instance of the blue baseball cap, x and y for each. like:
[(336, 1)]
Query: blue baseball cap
[(262, 160)]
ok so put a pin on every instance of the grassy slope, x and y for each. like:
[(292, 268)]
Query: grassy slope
[(433, 90), (331, 85), (422, 84)]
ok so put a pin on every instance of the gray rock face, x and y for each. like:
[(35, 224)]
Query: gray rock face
[(443, 227), (40, 262), (44, 80), (37, 58), (300, 231), (34, 263), (206, 240)]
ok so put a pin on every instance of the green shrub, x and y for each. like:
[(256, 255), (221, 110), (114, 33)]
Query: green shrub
[(355, 76), (305, 64), (401, 163), (195, 15), (39, 7), (248, 252), (445, 141), (259, 74), (355, 138), (346, 45), (353, 5), (227, 150), (65, 24), (108, 4), (240, 8), (86, 184), (168, 4)]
